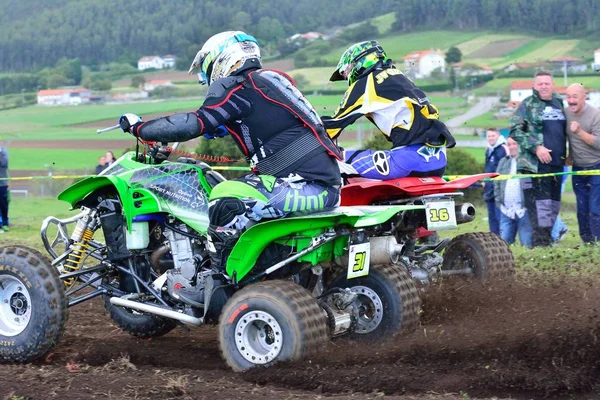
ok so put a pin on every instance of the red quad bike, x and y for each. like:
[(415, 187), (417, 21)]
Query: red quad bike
[(482, 255)]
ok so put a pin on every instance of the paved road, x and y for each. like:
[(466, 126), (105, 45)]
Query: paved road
[(471, 143), (484, 105)]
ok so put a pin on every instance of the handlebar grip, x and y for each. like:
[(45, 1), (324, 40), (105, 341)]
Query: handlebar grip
[(112, 128)]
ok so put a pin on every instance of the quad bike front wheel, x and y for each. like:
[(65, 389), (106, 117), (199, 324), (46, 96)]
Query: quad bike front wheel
[(33, 305), (388, 299), (268, 322), (483, 256)]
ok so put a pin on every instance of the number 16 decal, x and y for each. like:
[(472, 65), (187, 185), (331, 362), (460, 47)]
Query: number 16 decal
[(439, 215)]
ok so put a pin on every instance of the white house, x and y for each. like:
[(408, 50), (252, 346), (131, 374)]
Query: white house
[(596, 65), (64, 97), (148, 62), (157, 62), (309, 36), (520, 90), (169, 61), (422, 63)]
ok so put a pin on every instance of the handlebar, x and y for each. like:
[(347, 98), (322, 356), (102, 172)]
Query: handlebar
[(157, 151), (111, 128)]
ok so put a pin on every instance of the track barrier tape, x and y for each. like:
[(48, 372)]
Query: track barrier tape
[(224, 168), (524, 176)]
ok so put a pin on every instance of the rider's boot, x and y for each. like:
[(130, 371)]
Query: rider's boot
[(220, 243)]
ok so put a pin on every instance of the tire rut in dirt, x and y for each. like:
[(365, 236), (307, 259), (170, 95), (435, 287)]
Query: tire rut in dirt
[(521, 339)]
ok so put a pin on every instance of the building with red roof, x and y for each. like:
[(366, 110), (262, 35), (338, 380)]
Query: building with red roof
[(63, 96), (422, 63)]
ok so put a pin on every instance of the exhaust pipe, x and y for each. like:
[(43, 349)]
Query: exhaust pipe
[(464, 213), (384, 250), (117, 301)]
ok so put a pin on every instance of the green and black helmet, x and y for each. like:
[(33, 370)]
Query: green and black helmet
[(360, 58)]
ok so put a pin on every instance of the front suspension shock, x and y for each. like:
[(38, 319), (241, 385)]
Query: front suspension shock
[(82, 234)]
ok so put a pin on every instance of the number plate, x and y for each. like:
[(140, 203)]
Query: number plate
[(440, 215), (358, 260)]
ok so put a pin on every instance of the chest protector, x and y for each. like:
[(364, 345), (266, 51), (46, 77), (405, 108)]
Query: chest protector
[(278, 88)]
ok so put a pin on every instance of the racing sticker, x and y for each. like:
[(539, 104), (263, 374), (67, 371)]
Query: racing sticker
[(358, 260), (177, 185), (440, 215), (381, 162)]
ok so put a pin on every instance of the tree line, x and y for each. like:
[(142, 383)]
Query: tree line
[(38, 33), (579, 17), (99, 32)]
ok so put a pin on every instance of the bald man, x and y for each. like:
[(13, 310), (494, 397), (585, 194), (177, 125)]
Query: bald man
[(583, 130)]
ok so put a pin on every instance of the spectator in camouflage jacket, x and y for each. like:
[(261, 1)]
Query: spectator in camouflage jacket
[(539, 127)]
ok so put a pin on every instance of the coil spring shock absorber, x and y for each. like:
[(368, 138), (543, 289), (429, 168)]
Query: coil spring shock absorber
[(83, 233)]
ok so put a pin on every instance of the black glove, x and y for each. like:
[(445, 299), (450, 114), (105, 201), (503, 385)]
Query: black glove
[(130, 123)]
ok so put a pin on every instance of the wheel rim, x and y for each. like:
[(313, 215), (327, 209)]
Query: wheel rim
[(15, 306), (370, 310), (258, 337)]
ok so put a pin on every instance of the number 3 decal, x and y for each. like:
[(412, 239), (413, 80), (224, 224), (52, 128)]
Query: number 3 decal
[(359, 261)]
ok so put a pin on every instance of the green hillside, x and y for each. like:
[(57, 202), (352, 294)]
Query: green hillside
[(482, 48)]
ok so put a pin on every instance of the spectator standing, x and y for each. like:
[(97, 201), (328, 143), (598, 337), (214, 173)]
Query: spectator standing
[(3, 189), (109, 158), (584, 152), (101, 165), (509, 200), (496, 151), (539, 127)]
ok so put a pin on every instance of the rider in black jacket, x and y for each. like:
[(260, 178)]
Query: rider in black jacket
[(271, 122)]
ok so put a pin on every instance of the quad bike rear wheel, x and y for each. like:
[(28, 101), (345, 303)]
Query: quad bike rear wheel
[(389, 301), (33, 305), (268, 322), (485, 254)]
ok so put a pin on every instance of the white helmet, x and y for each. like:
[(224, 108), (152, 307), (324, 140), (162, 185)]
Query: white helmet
[(224, 54)]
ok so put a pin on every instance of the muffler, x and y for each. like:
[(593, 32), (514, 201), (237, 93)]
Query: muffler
[(384, 250), (151, 309), (464, 213)]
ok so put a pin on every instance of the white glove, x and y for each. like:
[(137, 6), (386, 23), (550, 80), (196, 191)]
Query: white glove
[(128, 121)]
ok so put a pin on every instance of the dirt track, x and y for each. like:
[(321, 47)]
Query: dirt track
[(528, 339)]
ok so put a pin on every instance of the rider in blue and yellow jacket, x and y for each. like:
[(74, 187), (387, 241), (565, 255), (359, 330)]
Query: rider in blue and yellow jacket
[(400, 110)]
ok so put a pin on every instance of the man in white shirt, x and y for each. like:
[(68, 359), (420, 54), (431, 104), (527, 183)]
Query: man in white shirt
[(509, 199)]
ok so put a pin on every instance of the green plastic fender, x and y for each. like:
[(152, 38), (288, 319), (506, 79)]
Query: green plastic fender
[(236, 189), (254, 240)]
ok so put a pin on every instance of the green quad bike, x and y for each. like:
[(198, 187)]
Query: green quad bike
[(290, 285)]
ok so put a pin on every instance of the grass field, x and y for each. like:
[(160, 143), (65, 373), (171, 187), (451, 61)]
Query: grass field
[(65, 123), (552, 49), (486, 120), (398, 45), (480, 42), (383, 23), (41, 159)]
